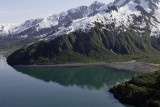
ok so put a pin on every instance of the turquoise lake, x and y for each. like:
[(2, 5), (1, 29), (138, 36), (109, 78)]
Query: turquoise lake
[(85, 86)]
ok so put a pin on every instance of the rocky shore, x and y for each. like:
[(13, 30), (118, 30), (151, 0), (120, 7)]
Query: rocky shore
[(133, 66)]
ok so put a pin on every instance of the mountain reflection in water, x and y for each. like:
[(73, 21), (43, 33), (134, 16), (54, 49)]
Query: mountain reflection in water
[(2, 61), (90, 77)]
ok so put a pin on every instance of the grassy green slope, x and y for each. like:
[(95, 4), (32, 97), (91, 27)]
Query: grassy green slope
[(94, 46)]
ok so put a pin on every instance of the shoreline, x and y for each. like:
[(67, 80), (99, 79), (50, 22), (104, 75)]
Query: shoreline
[(133, 66)]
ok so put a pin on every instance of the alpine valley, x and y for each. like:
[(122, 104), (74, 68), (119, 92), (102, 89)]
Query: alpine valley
[(120, 31)]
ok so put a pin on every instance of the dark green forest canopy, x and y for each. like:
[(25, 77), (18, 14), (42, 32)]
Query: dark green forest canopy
[(141, 91)]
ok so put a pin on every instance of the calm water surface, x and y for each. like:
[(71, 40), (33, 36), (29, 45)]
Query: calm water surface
[(59, 86)]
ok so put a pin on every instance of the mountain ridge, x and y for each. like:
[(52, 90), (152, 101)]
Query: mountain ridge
[(50, 26), (113, 33), (54, 21)]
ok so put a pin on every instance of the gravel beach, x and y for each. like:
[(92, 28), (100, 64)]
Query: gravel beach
[(133, 66)]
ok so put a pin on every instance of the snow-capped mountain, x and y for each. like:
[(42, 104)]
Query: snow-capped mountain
[(95, 33), (52, 23), (122, 13), (5, 29)]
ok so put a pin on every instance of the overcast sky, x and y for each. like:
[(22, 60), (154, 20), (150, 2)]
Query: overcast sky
[(18, 11)]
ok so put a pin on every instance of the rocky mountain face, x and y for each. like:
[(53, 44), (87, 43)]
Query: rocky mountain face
[(43, 27), (4, 29), (120, 12), (129, 28)]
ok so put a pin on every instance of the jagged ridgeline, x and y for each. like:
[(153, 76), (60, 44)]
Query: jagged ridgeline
[(120, 31), (95, 46)]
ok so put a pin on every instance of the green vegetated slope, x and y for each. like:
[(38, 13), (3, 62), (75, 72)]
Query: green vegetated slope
[(94, 46), (141, 91)]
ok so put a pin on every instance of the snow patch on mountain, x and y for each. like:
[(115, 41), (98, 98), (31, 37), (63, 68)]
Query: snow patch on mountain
[(124, 15), (157, 12), (61, 19), (84, 24), (49, 22), (5, 28), (119, 2), (121, 17), (155, 28), (155, 24), (147, 5), (28, 24), (83, 18)]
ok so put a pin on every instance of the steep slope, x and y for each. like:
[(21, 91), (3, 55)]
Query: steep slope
[(4, 29), (44, 26), (140, 14), (122, 30), (120, 12), (95, 46)]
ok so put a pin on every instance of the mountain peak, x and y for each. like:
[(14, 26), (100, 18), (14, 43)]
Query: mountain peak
[(84, 17), (4, 28), (97, 3), (122, 2), (148, 5)]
